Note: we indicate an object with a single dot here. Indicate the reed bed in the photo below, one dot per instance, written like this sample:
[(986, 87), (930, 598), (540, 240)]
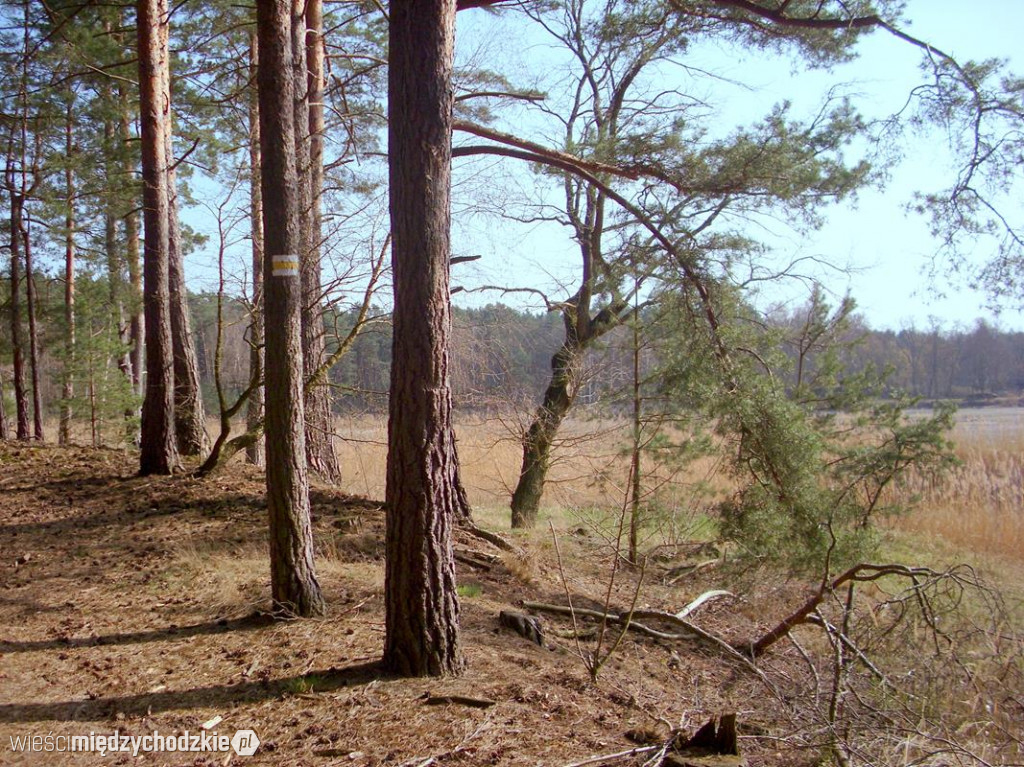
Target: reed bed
[(979, 505)]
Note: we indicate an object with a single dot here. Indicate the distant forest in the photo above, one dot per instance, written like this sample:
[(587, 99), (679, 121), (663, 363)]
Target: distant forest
[(501, 357)]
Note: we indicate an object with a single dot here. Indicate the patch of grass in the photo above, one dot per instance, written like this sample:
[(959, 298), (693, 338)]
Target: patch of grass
[(305, 684), (469, 590)]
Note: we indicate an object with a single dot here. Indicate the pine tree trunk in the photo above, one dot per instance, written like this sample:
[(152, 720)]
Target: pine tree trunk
[(137, 325), (68, 389), (635, 463), (294, 586), (93, 420), (33, 338), (558, 398), (189, 416), (16, 181), (17, 330), (159, 453), (307, 55), (115, 271), (5, 432), (254, 452), (422, 609)]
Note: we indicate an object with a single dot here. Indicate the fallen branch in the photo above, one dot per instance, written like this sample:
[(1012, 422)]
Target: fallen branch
[(457, 700), (817, 620), (492, 538), (618, 755), (476, 559), (674, 575), (857, 574), (707, 596), (630, 621)]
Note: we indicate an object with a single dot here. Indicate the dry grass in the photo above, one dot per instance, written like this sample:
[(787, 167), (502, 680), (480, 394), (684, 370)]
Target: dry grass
[(587, 482), (490, 455), (979, 506)]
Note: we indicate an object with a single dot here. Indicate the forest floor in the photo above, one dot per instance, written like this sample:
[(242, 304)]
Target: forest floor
[(135, 605)]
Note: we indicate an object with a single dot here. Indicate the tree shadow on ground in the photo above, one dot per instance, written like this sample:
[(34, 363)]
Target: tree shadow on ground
[(213, 696), (109, 517), (226, 506), (221, 626)]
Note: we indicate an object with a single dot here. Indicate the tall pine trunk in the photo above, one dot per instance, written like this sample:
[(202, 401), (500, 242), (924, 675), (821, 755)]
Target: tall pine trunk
[(422, 608), (254, 452), (115, 270), (5, 432), (136, 322), (17, 329), (159, 453), (16, 181), (33, 336), (68, 387), (294, 585), (189, 416), (307, 57)]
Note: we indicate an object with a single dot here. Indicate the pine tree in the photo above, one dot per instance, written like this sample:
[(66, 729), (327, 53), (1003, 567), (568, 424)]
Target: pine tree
[(422, 609), (295, 589), (159, 453)]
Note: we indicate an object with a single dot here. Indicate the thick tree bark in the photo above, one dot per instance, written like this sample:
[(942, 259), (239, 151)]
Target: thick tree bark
[(295, 588), (17, 329), (422, 609), (137, 323), (308, 66), (254, 453), (189, 416), (159, 453), (68, 387), (566, 365), (19, 190)]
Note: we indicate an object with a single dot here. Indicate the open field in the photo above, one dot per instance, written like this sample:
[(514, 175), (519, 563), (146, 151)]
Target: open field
[(978, 507), (589, 468)]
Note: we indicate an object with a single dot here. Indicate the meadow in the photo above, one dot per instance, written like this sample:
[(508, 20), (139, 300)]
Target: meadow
[(977, 507)]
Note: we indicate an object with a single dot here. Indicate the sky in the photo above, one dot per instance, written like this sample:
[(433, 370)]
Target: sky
[(886, 252)]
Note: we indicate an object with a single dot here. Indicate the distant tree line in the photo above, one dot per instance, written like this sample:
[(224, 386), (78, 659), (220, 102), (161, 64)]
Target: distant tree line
[(501, 357)]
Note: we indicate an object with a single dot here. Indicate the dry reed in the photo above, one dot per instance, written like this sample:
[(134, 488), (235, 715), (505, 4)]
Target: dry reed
[(979, 505)]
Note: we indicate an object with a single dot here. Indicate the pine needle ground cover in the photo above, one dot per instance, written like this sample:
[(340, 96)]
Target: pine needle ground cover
[(135, 604)]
